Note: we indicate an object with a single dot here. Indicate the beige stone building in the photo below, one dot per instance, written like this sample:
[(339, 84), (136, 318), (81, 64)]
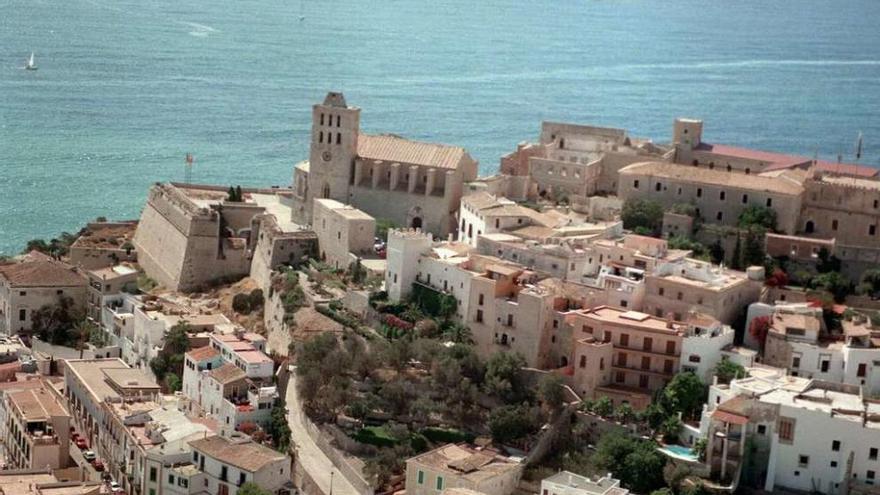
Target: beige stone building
[(27, 286), (483, 213), (674, 289), (106, 284), (103, 244), (191, 236), (345, 234), (411, 183), (576, 161), (719, 196), (38, 429), (461, 466)]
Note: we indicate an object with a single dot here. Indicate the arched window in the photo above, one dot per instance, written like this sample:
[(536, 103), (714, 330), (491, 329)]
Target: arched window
[(321, 137), (338, 120), (322, 119), (810, 227), (416, 223), (338, 138), (325, 193), (583, 361), (470, 231)]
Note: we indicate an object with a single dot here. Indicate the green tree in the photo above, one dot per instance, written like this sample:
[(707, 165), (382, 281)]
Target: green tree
[(685, 394), (726, 370), (635, 462), (603, 407), (551, 391), (458, 333), (827, 262), (624, 413), (736, 259), (716, 252), (642, 213), (671, 428), (835, 283), (502, 376), (251, 488), (172, 382), (757, 216), (753, 251), (508, 423), (278, 428)]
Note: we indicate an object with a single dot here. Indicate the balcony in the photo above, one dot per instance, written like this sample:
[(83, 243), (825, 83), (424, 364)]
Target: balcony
[(653, 351), (634, 369)]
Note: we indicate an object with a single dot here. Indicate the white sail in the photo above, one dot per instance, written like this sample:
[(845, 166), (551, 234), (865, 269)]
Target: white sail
[(30, 63)]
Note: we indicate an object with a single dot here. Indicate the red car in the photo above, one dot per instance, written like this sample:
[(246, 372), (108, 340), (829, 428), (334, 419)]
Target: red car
[(98, 465), (81, 443)]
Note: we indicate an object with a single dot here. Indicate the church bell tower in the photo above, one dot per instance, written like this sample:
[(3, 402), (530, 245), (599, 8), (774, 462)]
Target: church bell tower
[(335, 128)]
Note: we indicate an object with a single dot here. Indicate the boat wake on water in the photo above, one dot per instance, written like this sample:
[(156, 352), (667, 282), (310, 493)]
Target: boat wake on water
[(199, 30)]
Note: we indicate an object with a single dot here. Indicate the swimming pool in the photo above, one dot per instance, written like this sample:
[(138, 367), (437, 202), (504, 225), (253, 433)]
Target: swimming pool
[(679, 452)]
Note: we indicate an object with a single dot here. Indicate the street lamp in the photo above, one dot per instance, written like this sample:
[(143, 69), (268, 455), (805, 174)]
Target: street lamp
[(331, 481)]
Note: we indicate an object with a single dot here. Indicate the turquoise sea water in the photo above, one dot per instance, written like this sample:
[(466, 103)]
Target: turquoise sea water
[(125, 88)]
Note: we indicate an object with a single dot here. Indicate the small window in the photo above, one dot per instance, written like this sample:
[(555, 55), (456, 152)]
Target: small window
[(769, 202), (658, 187), (636, 184), (583, 363), (171, 479), (22, 293), (722, 195), (745, 198), (872, 229), (872, 453), (22, 315), (835, 445), (762, 429), (699, 192), (803, 460), (421, 477), (439, 483), (834, 464), (719, 216)]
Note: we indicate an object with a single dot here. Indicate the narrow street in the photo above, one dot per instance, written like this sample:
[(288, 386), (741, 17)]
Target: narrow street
[(318, 466)]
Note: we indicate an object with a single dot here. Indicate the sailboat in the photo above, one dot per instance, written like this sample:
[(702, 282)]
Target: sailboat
[(302, 14), (30, 63)]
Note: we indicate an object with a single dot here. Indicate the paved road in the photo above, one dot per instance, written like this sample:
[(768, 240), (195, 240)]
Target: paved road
[(313, 460)]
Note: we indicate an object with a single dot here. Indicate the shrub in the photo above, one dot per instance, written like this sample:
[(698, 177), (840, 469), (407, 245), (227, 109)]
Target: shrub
[(255, 298), (443, 435), (241, 303)]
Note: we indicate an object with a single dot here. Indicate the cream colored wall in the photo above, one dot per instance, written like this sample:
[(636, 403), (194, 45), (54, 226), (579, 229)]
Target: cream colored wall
[(339, 235), (708, 202), (12, 302)]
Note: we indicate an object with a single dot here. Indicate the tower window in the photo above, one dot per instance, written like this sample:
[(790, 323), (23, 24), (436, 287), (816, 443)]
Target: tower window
[(769, 202), (699, 192), (872, 229), (834, 225), (322, 119), (338, 121), (321, 137), (745, 198), (338, 138), (722, 195)]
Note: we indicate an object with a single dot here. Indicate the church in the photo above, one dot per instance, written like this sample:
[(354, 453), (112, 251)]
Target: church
[(413, 184)]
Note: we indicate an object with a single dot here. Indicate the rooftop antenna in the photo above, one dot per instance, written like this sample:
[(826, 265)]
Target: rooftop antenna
[(188, 168)]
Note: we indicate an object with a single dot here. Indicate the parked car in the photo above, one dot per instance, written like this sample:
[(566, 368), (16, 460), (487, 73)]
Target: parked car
[(90, 455), (81, 443), (114, 486), (98, 465)]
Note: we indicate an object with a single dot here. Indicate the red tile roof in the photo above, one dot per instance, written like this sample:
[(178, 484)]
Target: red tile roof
[(847, 169), (778, 159), (203, 353), (41, 273), (392, 149), (730, 417)]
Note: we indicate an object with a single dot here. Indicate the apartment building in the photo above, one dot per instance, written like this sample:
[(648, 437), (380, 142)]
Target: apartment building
[(807, 435), (462, 467), (231, 380), (674, 289), (89, 384), (37, 428), (230, 460), (483, 213), (145, 439), (29, 285), (42, 481), (629, 355), (106, 285)]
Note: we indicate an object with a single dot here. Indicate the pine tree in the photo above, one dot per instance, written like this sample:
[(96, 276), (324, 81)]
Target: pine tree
[(736, 261)]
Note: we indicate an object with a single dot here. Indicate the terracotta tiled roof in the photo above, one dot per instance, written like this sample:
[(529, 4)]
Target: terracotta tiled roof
[(397, 149), (228, 373), (248, 456), (769, 157), (847, 169), (41, 273), (696, 175), (203, 353), (730, 417)]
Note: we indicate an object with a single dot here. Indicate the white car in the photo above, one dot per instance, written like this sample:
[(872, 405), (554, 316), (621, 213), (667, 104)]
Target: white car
[(114, 486), (90, 455)]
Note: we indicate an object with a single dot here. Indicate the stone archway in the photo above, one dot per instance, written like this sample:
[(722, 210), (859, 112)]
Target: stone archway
[(415, 218)]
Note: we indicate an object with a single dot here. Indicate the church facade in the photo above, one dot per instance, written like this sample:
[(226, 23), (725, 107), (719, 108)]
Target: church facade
[(413, 184)]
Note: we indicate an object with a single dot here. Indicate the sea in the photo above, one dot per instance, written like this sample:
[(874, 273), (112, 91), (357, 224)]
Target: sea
[(126, 88)]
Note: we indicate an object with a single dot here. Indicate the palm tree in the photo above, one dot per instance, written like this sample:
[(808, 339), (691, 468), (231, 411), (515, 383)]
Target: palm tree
[(458, 333)]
